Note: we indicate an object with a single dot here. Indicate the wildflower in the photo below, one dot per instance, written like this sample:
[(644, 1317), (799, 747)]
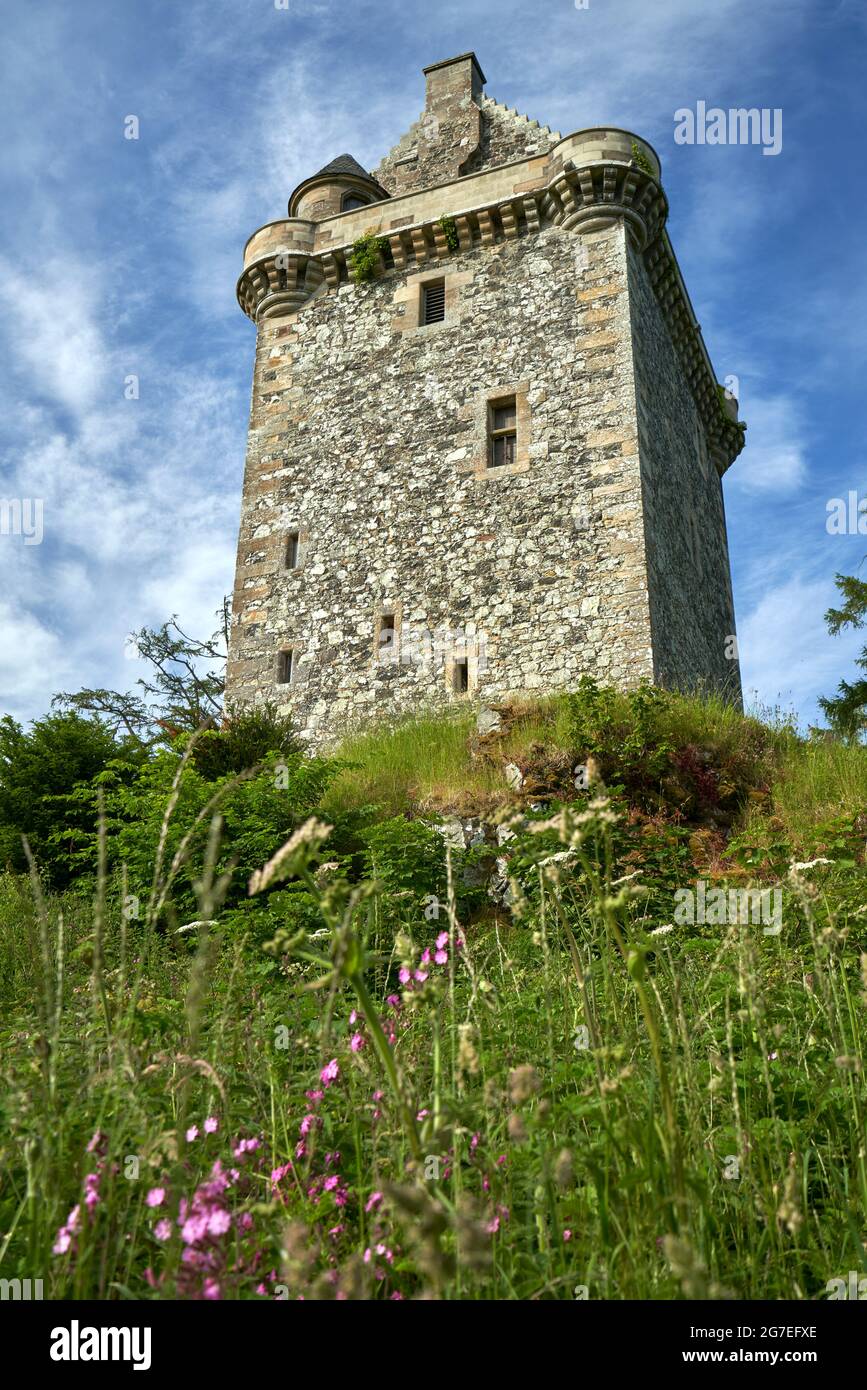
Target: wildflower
[(211, 1289), (163, 1229), (63, 1241), (567, 1235), (156, 1197), (394, 999), (329, 1073), (97, 1143), (403, 975), (523, 1083), (219, 1222), (91, 1190), (306, 1125), (662, 931), (442, 940), (420, 976), (212, 1124), (356, 1042), (373, 1201), (300, 1149), (517, 1128), (192, 1134), (314, 1096)]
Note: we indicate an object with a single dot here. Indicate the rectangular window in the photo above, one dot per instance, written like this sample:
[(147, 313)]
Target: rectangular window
[(503, 432), (434, 302), (461, 676), (386, 642), (285, 667), (293, 550)]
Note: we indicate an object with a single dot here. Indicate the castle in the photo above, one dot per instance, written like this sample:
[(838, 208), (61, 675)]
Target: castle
[(486, 440)]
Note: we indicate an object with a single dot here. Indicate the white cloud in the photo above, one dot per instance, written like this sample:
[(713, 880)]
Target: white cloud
[(787, 654)]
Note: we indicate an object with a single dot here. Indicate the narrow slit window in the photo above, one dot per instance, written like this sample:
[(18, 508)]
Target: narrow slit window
[(387, 637), (503, 431), (434, 302), (293, 550), (461, 677), (285, 667)]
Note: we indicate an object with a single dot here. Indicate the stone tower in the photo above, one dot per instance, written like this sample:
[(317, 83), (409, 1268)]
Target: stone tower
[(494, 465)]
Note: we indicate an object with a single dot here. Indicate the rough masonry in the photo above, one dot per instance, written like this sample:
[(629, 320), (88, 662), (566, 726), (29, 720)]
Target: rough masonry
[(390, 557)]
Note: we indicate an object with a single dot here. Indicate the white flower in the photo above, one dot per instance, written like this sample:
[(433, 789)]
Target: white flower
[(810, 864), (662, 931)]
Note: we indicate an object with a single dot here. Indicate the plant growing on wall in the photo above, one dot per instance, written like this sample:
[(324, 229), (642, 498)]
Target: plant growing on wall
[(641, 159), (449, 229), (366, 252), (722, 397)]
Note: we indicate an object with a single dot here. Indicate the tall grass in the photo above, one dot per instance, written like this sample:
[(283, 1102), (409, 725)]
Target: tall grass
[(553, 1103)]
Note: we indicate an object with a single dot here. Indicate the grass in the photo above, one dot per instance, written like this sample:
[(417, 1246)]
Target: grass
[(554, 1104)]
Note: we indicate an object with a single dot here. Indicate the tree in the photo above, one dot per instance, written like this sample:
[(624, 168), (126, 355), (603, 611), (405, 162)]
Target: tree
[(39, 769), (184, 693), (847, 710)]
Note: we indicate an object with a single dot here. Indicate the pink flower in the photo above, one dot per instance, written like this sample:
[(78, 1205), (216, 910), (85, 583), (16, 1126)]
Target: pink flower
[(356, 1042), (403, 975), (192, 1134), (373, 1201), (306, 1125), (442, 940), (163, 1229), (421, 976), (211, 1289), (493, 1226), (91, 1190), (353, 1016), (394, 1000), (300, 1149), (425, 956), (97, 1142), (441, 957), (156, 1197), (567, 1235), (219, 1222), (314, 1096), (329, 1073), (63, 1241), (212, 1124)]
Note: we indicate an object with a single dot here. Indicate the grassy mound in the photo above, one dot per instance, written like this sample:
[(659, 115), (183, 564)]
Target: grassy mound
[(571, 1008)]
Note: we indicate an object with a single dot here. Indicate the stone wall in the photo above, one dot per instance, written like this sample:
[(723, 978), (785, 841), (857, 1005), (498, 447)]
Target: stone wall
[(691, 605), (366, 436)]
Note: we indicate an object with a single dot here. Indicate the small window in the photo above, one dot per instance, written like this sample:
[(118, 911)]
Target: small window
[(387, 640), (351, 201), (503, 432), (461, 676), (434, 302), (293, 550), (285, 667)]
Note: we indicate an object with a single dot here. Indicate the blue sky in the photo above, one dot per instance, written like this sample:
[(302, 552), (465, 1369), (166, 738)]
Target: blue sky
[(119, 257)]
